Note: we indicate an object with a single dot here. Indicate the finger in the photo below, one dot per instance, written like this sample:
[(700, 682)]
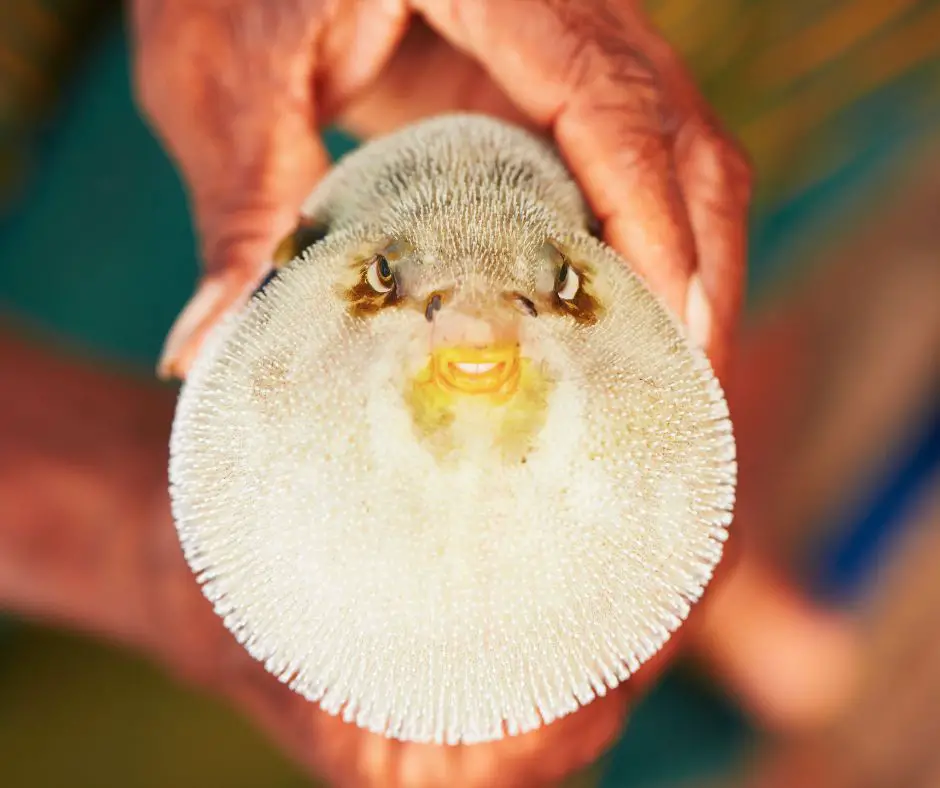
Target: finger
[(225, 288), (229, 88), (240, 216), (539, 758), (228, 99), (238, 238), (576, 68), (716, 184), (787, 661)]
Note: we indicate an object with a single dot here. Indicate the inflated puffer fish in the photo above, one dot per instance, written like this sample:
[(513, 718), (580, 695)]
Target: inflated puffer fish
[(454, 471)]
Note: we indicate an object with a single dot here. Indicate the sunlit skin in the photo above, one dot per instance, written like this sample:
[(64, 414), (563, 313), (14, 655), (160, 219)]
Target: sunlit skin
[(237, 90)]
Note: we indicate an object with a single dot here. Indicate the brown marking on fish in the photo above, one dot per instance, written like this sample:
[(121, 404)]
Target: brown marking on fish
[(585, 308), (362, 299), (270, 373), (308, 232)]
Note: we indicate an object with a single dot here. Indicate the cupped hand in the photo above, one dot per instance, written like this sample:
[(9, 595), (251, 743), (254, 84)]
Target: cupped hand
[(87, 539), (238, 90)]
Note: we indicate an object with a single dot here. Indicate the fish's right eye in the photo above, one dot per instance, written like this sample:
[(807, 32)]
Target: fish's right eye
[(379, 275)]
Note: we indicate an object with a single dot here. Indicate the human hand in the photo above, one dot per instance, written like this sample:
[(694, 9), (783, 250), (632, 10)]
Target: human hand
[(87, 539), (238, 90)]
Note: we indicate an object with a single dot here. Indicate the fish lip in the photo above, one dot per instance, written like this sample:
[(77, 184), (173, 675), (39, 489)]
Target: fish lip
[(476, 370)]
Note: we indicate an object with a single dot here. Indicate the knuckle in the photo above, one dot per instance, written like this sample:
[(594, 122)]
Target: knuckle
[(638, 147), (597, 62), (738, 167), (220, 60), (592, 57), (239, 252), (719, 162), (621, 94), (607, 66)]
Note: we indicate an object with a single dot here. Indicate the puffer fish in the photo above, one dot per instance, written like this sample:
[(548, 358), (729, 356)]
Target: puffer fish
[(453, 471)]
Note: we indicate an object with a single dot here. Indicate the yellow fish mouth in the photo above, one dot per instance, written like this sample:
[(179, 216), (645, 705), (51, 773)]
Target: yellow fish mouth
[(472, 370)]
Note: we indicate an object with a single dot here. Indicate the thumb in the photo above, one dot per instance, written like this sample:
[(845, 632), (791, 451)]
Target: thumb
[(239, 226), (227, 89)]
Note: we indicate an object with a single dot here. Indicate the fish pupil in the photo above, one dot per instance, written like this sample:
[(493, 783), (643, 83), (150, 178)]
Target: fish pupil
[(385, 270)]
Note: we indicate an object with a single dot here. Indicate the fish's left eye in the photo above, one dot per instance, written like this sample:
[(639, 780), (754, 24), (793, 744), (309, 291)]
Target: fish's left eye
[(568, 282), (379, 275)]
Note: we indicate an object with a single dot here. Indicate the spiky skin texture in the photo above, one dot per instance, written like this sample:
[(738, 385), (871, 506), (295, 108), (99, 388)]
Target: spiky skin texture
[(452, 569)]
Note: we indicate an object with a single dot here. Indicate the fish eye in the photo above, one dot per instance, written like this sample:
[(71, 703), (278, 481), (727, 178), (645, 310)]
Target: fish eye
[(379, 275), (568, 282)]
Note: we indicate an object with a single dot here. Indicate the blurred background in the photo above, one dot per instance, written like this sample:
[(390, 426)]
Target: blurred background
[(837, 394)]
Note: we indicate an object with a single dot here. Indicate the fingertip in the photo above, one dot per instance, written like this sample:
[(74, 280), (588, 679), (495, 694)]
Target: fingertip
[(803, 672), (818, 673), (215, 296), (791, 664), (715, 182), (698, 312), (203, 302), (657, 248)]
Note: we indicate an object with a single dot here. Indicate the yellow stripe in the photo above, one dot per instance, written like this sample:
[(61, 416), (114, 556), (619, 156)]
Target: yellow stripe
[(713, 35), (771, 137), (737, 35), (702, 33), (835, 33), (670, 14)]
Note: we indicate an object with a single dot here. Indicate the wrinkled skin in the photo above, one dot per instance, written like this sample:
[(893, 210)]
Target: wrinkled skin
[(237, 90)]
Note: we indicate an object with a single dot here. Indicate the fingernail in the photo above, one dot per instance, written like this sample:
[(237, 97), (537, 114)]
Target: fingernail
[(698, 312), (207, 297)]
